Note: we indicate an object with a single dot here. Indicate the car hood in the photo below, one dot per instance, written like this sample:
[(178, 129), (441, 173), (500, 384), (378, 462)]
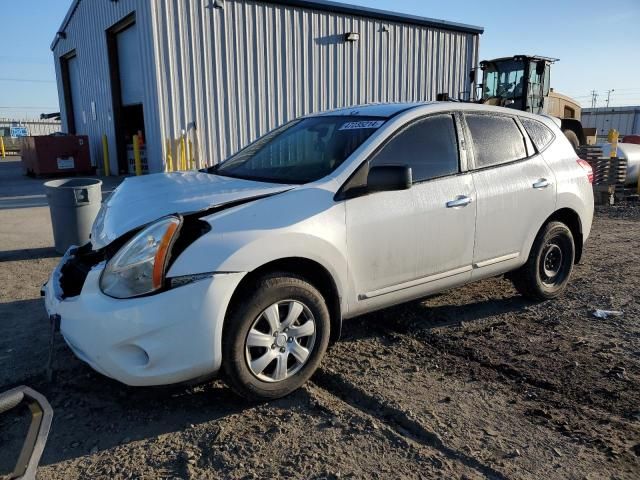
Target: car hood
[(140, 200)]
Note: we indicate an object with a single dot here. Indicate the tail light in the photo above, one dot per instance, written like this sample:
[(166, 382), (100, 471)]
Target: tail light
[(587, 168)]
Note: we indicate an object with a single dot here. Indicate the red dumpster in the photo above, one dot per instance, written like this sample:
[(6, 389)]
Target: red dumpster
[(56, 154)]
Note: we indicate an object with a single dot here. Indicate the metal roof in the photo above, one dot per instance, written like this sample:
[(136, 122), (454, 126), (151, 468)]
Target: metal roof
[(336, 7), (65, 22)]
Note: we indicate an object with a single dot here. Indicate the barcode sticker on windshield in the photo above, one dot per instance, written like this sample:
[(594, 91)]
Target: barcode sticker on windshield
[(360, 125)]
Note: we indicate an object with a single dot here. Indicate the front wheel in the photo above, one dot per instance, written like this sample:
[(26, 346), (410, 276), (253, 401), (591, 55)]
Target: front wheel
[(548, 269), (276, 338)]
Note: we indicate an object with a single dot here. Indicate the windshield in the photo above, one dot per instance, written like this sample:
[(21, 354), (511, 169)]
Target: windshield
[(504, 79), (301, 151)]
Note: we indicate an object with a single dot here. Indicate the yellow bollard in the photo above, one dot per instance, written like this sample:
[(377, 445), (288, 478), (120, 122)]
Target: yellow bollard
[(175, 154), (183, 152), (192, 162), (105, 156), (169, 162), (136, 155), (4, 155), (613, 139)]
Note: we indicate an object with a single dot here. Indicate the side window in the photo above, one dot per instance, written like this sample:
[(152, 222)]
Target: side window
[(428, 146), (496, 139), (540, 134)]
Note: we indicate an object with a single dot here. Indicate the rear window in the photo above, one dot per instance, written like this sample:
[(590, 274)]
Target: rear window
[(496, 139), (540, 134)]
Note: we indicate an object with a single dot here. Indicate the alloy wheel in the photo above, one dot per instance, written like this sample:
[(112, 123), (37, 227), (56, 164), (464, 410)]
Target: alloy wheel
[(280, 341)]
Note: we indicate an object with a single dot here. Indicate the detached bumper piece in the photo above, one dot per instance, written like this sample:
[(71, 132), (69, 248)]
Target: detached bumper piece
[(41, 415)]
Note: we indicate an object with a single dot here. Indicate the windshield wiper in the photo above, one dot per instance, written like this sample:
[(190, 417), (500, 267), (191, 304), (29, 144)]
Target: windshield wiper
[(215, 171)]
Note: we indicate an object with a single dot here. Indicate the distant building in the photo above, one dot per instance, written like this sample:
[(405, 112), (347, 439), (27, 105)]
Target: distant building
[(33, 127), (624, 119), (12, 130), (228, 71)]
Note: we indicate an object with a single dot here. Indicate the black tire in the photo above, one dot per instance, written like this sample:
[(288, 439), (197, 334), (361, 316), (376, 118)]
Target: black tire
[(573, 139), (270, 290), (553, 251)]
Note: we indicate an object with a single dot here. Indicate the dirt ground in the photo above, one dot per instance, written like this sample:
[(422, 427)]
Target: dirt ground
[(472, 383)]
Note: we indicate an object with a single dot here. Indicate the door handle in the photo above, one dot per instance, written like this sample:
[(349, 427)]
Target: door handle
[(542, 183), (460, 201)]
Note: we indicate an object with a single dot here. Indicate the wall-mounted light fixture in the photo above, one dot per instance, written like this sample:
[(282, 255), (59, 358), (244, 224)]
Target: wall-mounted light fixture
[(218, 3), (61, 35), (351, 37)]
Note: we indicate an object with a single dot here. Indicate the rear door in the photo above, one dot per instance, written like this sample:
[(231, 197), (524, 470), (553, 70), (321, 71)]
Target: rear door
[(515, 190), (407, 243)]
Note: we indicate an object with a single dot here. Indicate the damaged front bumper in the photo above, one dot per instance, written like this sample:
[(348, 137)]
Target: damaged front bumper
[(159, 339)]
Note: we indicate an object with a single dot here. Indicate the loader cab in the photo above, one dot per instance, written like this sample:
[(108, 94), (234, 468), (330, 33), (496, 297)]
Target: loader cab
[(520, 82)]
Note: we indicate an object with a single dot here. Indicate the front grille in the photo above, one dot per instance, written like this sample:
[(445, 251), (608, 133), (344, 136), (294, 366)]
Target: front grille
[(74, 273)]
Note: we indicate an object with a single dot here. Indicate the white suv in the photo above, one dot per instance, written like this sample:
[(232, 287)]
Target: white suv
[(250, 267)]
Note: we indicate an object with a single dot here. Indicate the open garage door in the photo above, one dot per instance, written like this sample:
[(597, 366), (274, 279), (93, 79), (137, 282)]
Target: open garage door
[(127, 89), (128, 45)]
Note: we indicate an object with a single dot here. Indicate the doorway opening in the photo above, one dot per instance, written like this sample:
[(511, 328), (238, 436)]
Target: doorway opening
[(70, 88), (127, 92)]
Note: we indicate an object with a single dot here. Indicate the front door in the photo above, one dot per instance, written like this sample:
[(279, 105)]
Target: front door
[(406, 244)]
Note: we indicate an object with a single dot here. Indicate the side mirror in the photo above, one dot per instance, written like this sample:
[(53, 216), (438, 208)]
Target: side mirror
[(386, 178)]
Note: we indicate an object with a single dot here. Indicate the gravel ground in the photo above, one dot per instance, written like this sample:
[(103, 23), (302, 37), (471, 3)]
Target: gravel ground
[(473, 383)]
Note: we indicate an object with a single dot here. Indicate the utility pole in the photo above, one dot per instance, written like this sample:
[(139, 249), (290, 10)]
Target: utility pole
[(609, 96), (594, 98)]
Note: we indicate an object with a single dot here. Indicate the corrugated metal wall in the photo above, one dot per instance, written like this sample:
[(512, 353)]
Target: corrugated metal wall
[(624, 119), (86, 34), (229, 75)]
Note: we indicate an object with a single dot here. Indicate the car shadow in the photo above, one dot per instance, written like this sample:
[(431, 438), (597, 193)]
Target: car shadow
[(420, 316)]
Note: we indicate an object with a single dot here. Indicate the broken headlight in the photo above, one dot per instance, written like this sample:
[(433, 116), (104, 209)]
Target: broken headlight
[(139, 266)]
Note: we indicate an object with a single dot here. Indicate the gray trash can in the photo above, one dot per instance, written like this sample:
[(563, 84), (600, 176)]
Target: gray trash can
[(74, 204)]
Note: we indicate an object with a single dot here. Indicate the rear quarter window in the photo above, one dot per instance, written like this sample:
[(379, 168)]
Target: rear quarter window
[(540, 134)]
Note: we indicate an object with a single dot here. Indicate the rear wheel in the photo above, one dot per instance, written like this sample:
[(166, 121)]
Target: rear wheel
[(548, 269), (276, 339)]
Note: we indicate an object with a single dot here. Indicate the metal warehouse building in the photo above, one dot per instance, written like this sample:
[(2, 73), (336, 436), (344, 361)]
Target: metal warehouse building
[(227, 71), (626, 120)]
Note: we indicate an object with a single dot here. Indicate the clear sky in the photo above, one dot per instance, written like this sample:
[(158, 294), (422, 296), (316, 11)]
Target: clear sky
[(598, 43)]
